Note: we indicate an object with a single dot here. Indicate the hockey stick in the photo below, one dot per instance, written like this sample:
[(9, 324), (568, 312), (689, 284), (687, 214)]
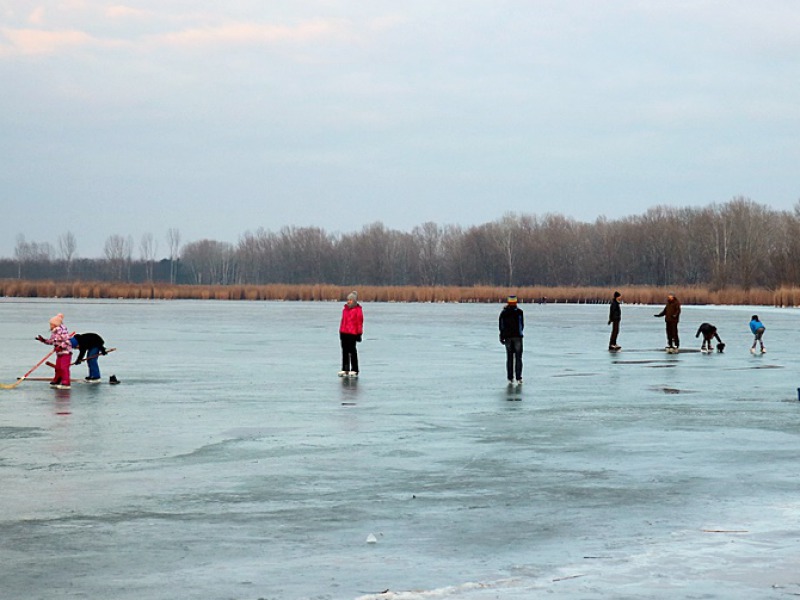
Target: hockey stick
[(85, 359), (11, 386)]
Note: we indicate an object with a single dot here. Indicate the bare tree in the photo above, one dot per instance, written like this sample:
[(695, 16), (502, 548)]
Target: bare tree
[(372, 253), (256, 257), (561, 243), (480, 258), (507, 235), (148, 247), (118, 250), (21, 254), (750, 238), (210, 262), (305, 253), (174, 242), (721, 232), (31, 253), (604, 263), (662, 245), (429, 241), (452, 270), (67, 248), (784, 264)]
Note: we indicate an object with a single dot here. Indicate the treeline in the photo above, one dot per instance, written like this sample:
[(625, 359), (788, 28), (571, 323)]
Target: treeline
[(740, 244)]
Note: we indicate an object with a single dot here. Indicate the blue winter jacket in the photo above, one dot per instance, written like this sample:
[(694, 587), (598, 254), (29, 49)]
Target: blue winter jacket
[(756, 325)]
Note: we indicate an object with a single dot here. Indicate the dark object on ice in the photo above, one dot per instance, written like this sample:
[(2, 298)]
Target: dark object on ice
[(721, 347), (113, 380)]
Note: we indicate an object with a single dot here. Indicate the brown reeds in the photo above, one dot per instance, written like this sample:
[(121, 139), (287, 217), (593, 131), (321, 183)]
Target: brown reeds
[(14, 288)]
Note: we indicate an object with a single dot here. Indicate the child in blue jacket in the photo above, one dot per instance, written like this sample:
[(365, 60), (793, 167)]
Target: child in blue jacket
[(757, 327)]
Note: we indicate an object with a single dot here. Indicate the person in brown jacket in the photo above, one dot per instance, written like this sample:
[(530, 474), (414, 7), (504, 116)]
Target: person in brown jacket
[(671, 314)]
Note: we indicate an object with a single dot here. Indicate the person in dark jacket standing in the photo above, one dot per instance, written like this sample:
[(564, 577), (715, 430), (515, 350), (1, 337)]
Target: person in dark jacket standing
[(512, 323), (350, 330), (614, 317), (672, 315)]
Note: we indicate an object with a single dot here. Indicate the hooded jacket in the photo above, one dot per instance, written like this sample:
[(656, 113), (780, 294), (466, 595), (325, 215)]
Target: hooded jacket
[(352, 320)]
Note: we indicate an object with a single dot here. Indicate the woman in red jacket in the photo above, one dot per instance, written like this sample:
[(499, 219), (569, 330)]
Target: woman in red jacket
[(350, 330)]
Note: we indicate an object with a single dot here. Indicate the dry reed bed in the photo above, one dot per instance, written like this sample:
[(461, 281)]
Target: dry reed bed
[(785, 296)]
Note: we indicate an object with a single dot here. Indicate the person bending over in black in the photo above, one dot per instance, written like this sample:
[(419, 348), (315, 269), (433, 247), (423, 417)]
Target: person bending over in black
[(709, 332)]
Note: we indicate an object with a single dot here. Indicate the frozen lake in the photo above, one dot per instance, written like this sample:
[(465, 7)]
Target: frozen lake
[(232, 462)]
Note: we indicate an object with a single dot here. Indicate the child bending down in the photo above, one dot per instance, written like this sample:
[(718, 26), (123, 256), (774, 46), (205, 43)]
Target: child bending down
[(709, 332), (757, 327)]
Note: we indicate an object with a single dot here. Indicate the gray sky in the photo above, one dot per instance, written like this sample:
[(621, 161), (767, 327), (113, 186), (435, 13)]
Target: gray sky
[(217, 118)]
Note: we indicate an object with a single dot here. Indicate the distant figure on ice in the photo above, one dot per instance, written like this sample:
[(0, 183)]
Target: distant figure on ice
[(512, 323), (59, 339), (614, 317), (91, 346), (350, 330), (757, 327), (672, 315), (709, 332)]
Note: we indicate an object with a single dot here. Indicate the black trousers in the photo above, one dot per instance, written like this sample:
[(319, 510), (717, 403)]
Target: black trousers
[(514, 357), (672, 334), (349, 352), (614, 333)]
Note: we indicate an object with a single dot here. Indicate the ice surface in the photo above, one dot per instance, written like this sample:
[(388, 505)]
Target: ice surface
[(232, 462)]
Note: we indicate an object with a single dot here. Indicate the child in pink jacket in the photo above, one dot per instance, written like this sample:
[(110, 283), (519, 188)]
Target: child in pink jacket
[(59, 339)]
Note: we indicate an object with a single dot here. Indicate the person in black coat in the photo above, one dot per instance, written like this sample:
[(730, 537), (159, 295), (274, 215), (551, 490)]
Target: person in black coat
[(91, 346), (512, 323), (614, 317)]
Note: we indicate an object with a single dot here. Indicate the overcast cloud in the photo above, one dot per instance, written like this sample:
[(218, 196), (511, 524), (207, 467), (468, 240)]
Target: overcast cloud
[(217, 118)]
